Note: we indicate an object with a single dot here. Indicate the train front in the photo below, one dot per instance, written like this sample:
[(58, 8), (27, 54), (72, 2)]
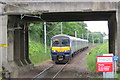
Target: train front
[(60, 49)]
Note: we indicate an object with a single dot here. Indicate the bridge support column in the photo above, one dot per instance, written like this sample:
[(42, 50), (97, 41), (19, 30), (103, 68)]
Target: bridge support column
[(22, 44), (17, 48), (3, 37), (118, 34), (3, 40), (11, 56), (112, 24), (18, 51), (27, 44)]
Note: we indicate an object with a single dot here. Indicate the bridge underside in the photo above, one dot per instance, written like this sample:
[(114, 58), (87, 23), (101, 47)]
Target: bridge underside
[(14, 28), (76, 16)]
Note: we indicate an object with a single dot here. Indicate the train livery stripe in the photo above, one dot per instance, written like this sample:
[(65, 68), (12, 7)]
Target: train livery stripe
[(60, 49), (3, 45)]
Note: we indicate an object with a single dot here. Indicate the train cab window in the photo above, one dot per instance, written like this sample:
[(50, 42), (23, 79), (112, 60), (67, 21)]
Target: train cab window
[(60, 42), (56, 43), (65, 42)]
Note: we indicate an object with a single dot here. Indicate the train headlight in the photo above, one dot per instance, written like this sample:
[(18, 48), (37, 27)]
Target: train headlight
[(54, 50), (66, 50)]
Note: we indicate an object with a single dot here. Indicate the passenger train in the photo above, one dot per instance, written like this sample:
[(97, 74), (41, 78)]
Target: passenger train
[(64, 46)]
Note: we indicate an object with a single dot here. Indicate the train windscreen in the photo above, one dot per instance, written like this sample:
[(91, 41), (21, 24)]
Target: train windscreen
[(61, 42)]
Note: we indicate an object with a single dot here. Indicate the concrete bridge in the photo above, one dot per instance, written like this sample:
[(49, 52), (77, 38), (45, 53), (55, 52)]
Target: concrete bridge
[(15, 16)]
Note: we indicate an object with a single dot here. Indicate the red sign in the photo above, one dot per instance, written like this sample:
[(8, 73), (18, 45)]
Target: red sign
[(104, 64)]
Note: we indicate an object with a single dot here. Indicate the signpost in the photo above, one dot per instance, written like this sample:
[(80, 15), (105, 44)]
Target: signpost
[(107, 65), (115, 59), (104, 64)]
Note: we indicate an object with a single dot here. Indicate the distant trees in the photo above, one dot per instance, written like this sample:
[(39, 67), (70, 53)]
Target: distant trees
[(36, 31), (97, 36)]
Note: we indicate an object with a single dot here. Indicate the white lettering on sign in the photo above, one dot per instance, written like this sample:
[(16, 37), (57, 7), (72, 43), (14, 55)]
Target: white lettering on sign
[(100, 67), (104, 59), (106, 68), (107, 54)]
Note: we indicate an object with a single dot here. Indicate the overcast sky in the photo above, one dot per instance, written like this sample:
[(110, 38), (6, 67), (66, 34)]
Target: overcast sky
[(97, 26)]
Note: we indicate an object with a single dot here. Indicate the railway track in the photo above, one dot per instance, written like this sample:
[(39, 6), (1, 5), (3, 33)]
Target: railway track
[(51, 72)]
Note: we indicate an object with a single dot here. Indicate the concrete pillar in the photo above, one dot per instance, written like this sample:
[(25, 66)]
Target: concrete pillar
[(3, 37), (10, 46), (118, 33), (11, 24), (1, 9), (11, 62), (27, 44), (22, 44), (18, 55), (17, 48), (112, 24)]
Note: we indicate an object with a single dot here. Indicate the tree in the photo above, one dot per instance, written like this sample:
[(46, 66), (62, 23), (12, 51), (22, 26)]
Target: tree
[(53, 28)]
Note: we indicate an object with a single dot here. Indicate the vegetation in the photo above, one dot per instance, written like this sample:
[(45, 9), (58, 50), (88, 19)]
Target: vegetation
[(119, 76), (37, 54), (91, 58), (97, 36), (53, 28)]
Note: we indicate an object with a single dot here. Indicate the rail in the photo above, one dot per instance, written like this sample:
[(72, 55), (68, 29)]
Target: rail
[(47, 70), (43, 71)]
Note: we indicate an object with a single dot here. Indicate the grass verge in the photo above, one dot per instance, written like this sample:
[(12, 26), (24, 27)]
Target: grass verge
[(118, 76), (91, 58), (37, 54)]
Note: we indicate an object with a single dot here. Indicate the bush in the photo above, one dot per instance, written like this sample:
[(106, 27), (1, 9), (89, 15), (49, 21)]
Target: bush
[(37, 54)]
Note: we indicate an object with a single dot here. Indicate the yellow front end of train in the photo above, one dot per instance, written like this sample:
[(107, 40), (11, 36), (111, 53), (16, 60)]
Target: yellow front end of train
[(60, 49)]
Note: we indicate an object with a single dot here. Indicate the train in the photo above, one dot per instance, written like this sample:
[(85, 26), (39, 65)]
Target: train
[(63, 47)]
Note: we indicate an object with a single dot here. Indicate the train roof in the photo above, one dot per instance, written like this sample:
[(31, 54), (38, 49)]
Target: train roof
[(71, 37)]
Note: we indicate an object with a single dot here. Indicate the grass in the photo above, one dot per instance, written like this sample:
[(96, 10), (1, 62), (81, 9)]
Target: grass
[(119, 76), (0, 73), (37, 54), (91, 58)]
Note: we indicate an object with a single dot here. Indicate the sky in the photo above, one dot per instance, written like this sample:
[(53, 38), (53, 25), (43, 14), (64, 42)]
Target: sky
[(97, 26)]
